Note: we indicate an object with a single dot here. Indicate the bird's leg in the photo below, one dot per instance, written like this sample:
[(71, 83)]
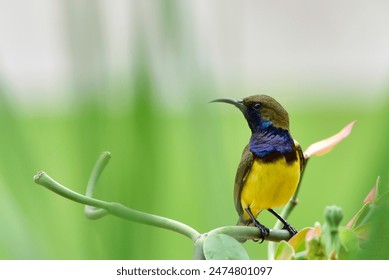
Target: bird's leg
[(263, 230), (286, 226)]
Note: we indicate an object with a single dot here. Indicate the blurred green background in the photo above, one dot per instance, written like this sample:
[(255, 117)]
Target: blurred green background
[(135, 78)]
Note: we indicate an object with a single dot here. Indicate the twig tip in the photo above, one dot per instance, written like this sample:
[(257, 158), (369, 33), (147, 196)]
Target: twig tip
[(107, 154), (38, 176)]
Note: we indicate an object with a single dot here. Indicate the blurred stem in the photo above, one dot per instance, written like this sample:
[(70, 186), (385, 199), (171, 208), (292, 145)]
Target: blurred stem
[(286, 213)]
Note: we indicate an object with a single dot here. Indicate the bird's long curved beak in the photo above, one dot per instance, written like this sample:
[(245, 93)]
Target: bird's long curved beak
[(237, 102)]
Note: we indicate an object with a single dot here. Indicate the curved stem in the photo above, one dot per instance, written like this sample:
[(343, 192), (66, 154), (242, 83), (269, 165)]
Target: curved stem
[(124, 212), (198, 252), (116, 209), (90, 211), (46, 181), (95, 208)]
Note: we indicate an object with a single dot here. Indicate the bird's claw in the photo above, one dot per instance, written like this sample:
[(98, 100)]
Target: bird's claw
[(264, 231), (290, 229)]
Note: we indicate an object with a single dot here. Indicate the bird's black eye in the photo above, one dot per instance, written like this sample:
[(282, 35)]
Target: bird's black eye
[(257, 106)]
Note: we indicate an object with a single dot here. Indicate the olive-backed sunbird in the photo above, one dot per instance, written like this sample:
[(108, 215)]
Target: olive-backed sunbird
[(271, 164)]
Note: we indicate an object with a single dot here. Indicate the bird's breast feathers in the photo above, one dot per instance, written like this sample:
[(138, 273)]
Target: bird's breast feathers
[(270, 184)]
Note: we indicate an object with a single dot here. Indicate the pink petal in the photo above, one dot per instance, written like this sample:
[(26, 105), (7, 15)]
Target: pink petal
[(314, 232), (324, 146), (372, 195), (370, 199), (351, 222)]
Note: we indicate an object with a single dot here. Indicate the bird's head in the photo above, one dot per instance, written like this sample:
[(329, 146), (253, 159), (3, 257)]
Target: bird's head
[(260, 111)]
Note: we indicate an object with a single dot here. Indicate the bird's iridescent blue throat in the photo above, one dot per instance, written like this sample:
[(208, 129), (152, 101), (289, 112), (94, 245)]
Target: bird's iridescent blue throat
[(266, 139)]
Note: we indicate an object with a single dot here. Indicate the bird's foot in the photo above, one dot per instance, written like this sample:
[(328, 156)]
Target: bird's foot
[(264, 231), (290, 229)]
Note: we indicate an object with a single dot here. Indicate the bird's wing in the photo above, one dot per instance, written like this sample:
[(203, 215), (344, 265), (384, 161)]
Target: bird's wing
[(243, 169), (301, 155)]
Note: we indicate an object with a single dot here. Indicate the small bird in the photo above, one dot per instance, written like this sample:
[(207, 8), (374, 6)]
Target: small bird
[(271, 164)]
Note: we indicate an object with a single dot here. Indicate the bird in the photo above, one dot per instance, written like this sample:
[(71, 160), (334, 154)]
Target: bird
[(271, 164)]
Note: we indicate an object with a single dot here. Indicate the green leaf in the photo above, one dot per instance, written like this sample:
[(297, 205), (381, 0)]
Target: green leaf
[(382, 198), (363, 231), (223, 247), (349, 243), (373, 194), (284, 251), (316, 249), (298, 241), (376, 246), (361, 217)]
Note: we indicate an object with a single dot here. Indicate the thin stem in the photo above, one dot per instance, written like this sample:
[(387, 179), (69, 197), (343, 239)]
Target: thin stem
[(90, 211), (198, 252), (124, 212), (46, 181), (244, 232), (100, 164), (95, 208), (116, 209), (238, 232)]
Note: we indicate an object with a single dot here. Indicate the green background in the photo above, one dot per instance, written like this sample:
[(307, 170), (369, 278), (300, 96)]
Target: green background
[(174, 162)]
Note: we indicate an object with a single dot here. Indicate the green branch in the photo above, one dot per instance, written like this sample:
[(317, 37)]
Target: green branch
[(91, 212), (95, 209), (244, 232), (121, 211), (98, 208)]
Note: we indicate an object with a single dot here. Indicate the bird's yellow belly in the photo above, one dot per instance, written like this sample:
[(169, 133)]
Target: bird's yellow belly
[(269, 185)]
